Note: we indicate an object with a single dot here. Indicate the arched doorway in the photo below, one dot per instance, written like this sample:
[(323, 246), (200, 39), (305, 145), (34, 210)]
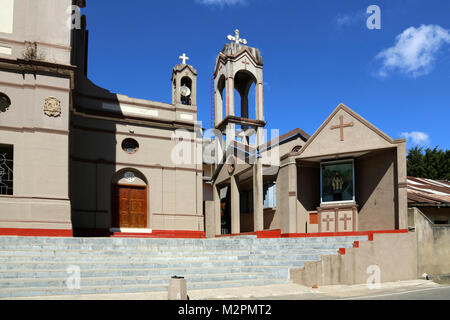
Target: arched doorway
[(129, 200)]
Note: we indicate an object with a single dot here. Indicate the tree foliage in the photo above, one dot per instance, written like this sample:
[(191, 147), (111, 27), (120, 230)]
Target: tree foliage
[(429, 163)]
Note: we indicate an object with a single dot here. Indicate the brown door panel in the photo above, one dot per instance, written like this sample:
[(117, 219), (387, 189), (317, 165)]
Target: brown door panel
[(132, 206)]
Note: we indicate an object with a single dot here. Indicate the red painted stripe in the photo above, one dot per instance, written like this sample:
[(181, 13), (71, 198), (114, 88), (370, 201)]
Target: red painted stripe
[(35, 232)]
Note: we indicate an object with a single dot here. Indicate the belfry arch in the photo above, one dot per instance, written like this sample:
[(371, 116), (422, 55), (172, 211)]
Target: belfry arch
[(244, 81)]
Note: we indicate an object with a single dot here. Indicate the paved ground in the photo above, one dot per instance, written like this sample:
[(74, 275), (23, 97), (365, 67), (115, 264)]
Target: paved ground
[(416, 289)]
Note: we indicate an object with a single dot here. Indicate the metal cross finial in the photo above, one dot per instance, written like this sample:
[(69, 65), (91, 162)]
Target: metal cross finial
[(236, 38), (184, 58)]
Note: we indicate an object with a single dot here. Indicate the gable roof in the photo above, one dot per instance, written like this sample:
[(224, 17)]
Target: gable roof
[(379, 138)]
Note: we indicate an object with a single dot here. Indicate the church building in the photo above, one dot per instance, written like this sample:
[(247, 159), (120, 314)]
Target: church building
[(79, 160)]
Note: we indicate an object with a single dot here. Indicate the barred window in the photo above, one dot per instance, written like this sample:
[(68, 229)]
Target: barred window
[(6, 169)]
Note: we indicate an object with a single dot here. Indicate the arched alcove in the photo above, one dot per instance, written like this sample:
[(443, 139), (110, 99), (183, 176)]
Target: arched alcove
[(244, 83)]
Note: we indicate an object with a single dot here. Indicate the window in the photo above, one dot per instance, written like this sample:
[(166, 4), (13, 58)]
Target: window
[(5, 102), (130, 146), (337, 181), (6, 170), (270, 196)]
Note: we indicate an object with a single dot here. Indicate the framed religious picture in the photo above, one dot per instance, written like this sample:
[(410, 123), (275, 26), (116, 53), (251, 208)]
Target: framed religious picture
[(337, 181)]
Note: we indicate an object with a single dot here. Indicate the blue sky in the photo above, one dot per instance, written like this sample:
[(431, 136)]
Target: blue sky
[(316, 54)]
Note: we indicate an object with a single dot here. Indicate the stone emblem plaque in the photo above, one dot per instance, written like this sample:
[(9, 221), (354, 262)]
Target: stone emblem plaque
[(52, 107)]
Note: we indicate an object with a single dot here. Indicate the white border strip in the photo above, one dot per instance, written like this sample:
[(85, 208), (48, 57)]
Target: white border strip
[(131, 230)]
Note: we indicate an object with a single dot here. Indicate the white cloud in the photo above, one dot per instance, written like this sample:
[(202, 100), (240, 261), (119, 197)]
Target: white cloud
[(222, 3), (417, 137), (415, 51)]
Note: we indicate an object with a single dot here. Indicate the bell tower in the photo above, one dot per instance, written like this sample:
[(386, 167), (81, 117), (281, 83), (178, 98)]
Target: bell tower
[(238, 67), (184, 84)]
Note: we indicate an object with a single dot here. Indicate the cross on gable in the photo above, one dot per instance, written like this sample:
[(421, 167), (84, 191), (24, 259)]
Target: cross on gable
[(245, 62), (236, 38), (184, 58), (341, 126), (345, 219)]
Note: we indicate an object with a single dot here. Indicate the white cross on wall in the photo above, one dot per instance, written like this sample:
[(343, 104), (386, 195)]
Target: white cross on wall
[(184, 58), (236, 38)]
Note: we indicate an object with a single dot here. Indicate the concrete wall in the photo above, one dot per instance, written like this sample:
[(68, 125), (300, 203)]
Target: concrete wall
[(376, 192), (433, 244), (394, 254)]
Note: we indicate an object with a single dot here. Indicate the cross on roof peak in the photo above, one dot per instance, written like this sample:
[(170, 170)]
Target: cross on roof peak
[(236, 38), (184, 57)]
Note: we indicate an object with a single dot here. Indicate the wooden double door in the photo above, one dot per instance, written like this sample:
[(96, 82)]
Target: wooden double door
[(130, 206)]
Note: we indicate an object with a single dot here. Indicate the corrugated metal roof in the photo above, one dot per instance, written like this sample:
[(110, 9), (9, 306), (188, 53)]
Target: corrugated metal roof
[(427, 191)]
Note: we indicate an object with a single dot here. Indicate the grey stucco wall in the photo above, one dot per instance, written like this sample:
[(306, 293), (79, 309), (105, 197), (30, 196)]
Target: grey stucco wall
[(394, 254), (375, 191), (433, 244)]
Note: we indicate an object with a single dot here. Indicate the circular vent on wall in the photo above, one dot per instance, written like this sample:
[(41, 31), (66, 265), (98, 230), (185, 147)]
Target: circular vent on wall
[(5, 102), (130, 146)]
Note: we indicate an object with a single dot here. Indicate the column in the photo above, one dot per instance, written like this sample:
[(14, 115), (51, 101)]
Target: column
[(292, 176), (287, 197), (218, 107), (259, 101), (230, 96), (216, 198), (258, 211), (235, 206), (402, 187)]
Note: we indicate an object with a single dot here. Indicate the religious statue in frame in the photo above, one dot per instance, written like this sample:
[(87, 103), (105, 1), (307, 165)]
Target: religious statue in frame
[(337, 181)]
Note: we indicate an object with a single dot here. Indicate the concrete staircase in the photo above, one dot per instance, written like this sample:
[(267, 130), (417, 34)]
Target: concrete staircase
[(39, 266)]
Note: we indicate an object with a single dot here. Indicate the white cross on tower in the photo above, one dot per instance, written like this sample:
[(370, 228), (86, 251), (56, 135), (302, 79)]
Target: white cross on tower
[(184, 58), (236, 38)]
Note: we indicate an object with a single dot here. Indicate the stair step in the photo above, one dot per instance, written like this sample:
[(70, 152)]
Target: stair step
[(122, 272), (174, 248), (58, 291), (150, 266), (126, 280)]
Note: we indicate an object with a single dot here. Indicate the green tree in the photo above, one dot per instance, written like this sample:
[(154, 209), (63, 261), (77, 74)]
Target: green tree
[(431, 164)]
